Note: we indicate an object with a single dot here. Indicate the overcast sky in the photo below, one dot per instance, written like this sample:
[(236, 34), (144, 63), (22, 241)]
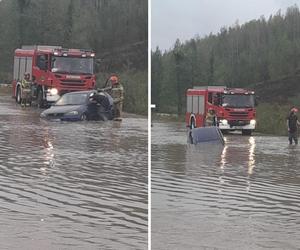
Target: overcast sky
[(184, 19)]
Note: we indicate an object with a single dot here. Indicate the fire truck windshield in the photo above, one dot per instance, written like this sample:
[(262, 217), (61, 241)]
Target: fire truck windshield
[(238, 101), (72, 65)]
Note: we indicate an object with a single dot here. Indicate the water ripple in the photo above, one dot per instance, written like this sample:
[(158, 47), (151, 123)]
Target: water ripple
[(239, 196), (71, 185)]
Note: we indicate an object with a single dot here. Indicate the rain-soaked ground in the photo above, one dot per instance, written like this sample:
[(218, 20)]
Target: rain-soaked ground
[(245, 195), (79, 185)]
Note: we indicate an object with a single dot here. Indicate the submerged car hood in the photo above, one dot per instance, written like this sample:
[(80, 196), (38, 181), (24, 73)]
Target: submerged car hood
[(62, 109)]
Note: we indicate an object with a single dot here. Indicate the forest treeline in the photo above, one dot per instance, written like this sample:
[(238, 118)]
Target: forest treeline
[(116, 30), (238, 56)]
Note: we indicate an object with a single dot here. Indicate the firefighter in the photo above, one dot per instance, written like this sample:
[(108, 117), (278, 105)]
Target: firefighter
[(105, 103), (26, 90), (117, 93), (211, 118), (292, 126)]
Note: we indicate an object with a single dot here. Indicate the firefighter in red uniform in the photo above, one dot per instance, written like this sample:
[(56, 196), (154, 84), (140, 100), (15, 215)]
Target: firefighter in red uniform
[(117, 93)]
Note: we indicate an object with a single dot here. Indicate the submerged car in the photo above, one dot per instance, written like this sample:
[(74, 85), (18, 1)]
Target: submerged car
[(80, 106)]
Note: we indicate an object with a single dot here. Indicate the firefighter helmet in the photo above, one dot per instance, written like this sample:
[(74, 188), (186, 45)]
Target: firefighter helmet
[(114, 80), (294, 110), (211, 111), (27, 75)]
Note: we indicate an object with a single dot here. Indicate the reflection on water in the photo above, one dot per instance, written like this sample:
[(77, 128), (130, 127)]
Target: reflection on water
[(251, 163), (71, 185), (244, 195)]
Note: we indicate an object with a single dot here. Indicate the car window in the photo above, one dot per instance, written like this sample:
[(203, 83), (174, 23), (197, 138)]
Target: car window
[(72, 99)]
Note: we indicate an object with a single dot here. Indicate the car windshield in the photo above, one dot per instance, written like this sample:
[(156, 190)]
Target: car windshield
[(72, 99), (238, 101), (72, 65)]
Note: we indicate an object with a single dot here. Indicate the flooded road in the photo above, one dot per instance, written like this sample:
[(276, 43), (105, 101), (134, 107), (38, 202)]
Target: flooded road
[(79, 185), (245, 195)]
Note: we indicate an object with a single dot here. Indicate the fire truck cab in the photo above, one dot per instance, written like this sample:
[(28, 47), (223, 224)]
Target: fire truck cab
[(234, 108), (54, 71)]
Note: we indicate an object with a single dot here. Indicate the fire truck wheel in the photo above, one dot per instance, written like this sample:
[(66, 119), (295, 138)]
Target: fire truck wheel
[(40, 103), (193, 124), (246, 132), (18, 95)]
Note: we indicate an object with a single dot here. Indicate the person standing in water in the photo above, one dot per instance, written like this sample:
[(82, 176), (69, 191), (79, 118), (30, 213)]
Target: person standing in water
[(292, 126)]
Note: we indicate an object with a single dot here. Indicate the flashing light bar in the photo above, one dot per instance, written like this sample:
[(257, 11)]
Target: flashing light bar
[(64, 52)]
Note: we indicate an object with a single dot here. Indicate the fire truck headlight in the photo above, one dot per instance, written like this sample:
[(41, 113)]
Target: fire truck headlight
[(252, 122), (53, 91), (224, 122)]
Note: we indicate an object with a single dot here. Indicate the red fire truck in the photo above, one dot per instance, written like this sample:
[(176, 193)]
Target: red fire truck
[(233, 107), (54, 71)]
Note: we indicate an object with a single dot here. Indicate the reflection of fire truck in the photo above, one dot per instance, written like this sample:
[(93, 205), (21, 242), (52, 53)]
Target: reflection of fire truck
[(234, 108), (54, 71)]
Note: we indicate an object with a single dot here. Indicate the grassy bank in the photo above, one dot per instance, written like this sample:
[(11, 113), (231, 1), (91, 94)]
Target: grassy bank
[(136, 89), (5, 89), (167, 117), (271, 118)]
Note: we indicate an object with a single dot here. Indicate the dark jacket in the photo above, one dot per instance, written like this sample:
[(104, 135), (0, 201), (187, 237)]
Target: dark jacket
[(292, 122)]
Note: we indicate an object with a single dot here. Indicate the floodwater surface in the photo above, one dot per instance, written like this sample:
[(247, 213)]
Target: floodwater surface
[(80, 185), (244, 195)]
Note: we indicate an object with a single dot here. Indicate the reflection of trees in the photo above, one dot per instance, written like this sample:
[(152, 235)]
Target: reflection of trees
[(173, 156), (205, 153), (203, 156)]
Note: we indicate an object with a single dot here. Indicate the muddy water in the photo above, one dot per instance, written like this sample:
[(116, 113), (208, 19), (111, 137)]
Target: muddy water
[(71, 185), (245, 195)]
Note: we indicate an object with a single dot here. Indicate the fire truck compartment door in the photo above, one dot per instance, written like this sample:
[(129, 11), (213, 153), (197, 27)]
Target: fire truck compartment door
[(195, 104)]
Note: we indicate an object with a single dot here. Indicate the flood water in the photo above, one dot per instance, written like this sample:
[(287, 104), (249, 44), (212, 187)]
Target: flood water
[(80, 185), (245, 195)]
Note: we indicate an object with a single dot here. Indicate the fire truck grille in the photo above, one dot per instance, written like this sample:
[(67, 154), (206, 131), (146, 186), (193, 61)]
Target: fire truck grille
[(72, 82), (238, 123), (238, 115)]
